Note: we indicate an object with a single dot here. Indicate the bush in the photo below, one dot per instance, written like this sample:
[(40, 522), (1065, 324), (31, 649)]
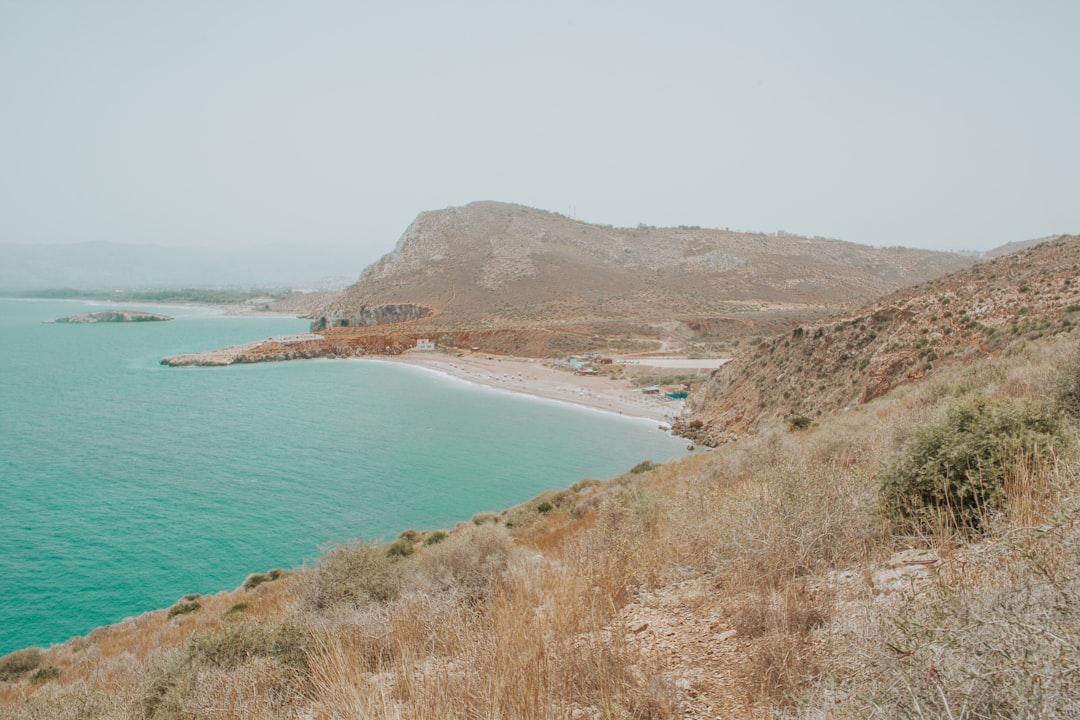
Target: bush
[(485, 518), (287, 644), (466, 564), (436, 537), (18, 663), (401, 548), (255, 580), (643, 467), (236, 608), (44, 675), (355, 574), (798, 422), (1067, 385), (544, 507), (955, 470), (184, 607)]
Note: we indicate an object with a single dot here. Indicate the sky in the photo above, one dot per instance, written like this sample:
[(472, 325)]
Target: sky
[(946, 125)]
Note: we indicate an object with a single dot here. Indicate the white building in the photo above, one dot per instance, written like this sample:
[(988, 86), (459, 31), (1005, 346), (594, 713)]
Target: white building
[(425, 344)]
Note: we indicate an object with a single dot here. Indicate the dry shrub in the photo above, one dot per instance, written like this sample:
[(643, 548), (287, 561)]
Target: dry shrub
[(15, 665), (1066, 383), (995, 637), (255, 690), (482, 630), (765, 519), (465, 564), (352, 575)]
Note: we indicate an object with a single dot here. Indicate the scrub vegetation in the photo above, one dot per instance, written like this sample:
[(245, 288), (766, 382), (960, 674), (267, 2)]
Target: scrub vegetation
[(915, 555)]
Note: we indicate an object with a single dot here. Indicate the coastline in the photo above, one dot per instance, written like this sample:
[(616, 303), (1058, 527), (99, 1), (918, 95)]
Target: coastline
[(535, 378)]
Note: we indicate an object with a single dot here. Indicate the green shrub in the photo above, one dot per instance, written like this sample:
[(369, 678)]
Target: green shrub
[(401, 548), (236, 608), (436, 537), (287, 644), (184, 607), (485, 518), (44, 675), (256, 579), (545, 507), (18, 663), (955, 469), (643, 467), (798, 422)]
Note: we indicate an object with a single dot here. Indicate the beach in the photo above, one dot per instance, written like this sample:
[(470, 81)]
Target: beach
[(536, 378)]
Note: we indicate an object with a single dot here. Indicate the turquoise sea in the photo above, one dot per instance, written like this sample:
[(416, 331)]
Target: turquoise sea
[(125, 485)]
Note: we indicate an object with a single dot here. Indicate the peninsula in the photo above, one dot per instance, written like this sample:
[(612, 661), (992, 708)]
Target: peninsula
[(112, 316)]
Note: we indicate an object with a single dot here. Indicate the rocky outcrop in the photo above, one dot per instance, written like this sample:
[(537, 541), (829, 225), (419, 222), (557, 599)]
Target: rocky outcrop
[(112, 316), (364, 316)]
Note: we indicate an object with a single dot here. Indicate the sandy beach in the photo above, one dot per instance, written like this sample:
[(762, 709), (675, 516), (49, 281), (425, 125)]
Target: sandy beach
[(534, 377)]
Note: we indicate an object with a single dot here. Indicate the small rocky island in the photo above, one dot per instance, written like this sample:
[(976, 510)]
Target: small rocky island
[(112, 316)]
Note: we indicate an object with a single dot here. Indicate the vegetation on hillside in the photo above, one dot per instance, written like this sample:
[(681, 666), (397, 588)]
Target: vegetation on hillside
[(909, 335), (915, 555), (785, 575)]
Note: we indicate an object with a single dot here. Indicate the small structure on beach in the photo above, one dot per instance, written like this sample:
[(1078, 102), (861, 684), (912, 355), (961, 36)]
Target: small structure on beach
[(425, 344)]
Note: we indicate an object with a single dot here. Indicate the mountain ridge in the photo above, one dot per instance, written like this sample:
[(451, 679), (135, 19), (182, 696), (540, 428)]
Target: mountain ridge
[(489, 260)]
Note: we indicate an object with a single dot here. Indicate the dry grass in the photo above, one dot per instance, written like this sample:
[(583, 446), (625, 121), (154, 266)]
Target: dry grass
[(524, 615)]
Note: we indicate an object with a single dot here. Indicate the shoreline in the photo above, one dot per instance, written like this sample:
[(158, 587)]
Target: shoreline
[(536, 379)]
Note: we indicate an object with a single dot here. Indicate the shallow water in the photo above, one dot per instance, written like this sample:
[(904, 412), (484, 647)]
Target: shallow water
[(126, 484)]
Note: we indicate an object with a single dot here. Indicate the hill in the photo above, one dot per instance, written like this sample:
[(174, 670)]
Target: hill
[(501, 265), (914, 556), (851, 359)]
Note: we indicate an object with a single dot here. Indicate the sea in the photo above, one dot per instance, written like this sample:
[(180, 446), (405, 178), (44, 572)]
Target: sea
[(125, 485)]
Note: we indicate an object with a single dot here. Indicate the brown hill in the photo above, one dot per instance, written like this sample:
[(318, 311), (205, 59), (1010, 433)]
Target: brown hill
[(505, 265), (905, 336)]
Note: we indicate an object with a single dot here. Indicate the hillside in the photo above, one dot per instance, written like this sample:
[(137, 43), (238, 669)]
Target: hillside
[(914, 556), (851, 359), (507, 265)]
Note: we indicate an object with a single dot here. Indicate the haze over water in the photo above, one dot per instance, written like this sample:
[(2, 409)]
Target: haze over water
[(126, 484)]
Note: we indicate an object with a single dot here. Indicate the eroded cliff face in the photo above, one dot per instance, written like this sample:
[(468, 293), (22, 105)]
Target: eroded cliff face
[(365, 316)]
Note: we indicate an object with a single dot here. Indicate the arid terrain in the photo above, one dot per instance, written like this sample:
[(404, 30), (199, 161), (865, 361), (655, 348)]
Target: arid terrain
[(513, 280), (887, 526), (854, 358)]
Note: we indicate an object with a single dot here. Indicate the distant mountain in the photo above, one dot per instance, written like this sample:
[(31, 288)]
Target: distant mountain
[(108, 266), (512, 265), (854, 358)]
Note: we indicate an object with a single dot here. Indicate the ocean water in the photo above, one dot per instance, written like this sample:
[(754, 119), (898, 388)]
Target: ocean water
[(125, 485)]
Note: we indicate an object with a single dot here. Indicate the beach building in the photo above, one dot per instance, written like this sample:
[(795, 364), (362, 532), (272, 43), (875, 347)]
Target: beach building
[(425, 344)]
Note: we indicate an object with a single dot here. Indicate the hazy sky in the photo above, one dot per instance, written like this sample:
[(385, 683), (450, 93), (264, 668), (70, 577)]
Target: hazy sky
[(953, 125)]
